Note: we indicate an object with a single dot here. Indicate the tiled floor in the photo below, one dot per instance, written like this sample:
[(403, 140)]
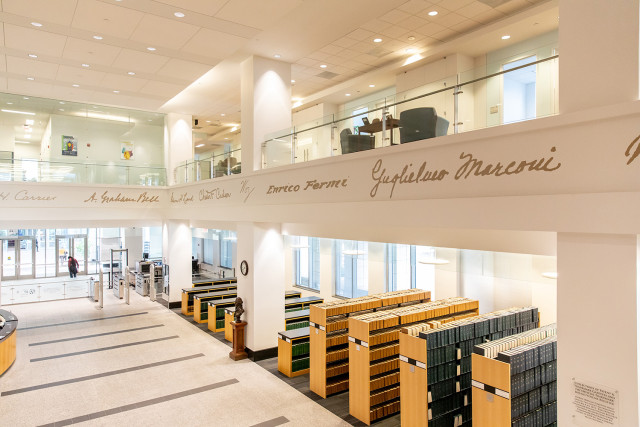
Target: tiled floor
[(139, 364)]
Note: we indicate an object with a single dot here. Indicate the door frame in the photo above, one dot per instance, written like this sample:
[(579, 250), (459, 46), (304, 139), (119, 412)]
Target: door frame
[(17, 244), (71, 237)]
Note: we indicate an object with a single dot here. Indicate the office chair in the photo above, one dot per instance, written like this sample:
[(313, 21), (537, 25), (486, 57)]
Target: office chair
[(421, 123)]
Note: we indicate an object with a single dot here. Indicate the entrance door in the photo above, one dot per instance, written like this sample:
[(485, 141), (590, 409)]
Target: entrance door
[(74, 245), (18, 258)]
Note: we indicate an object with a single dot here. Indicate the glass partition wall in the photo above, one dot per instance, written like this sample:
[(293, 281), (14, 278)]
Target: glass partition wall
[(60, 141), (518, 88)]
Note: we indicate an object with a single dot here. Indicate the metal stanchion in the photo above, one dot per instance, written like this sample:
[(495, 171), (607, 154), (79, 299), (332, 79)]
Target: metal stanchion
[(152, 282), (127, 288), (101, 290)]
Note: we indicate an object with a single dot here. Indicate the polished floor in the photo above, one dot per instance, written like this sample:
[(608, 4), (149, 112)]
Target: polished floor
[(138, 363)]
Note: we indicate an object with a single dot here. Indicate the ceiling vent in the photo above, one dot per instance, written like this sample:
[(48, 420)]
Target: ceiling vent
[(494, 3), (326, 75)]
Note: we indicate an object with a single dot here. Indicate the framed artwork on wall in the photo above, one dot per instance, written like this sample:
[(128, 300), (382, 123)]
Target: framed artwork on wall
[(126, 151), (69, 146)]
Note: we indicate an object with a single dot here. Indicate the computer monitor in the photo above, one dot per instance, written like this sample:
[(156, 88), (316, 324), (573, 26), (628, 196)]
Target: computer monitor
[(145, 255)]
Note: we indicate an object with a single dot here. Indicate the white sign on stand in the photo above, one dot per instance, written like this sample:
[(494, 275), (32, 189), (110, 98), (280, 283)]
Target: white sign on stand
[(594, 405)]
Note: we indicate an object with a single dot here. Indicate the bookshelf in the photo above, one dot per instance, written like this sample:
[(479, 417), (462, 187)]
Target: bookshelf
[(216, 315), (435, 364), (293, 304), (296, 319), (515, 380), (293, 352), (201, 306), (212, 282), (292, 294), (188, 293), (329, 336), (374, 363)]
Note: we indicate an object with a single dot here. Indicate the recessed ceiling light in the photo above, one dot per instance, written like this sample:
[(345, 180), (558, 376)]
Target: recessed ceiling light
[(25, 97), (97, 37), (85, 65), (293, 81), (235, 128), (433, 13), (32, 55), (30, 78), (179, 15), (61, 102), (208, 121), (323, 66), (377, 40), (226, 138), (9, 103), (347, 94), (222, 114), (277, 55), (151, 48), (28, 113), (75, 85), (411, 38), (116, 91), (506, 37), (36, 24), (60, 109), (131, 73), (372, 85), (199, 145)]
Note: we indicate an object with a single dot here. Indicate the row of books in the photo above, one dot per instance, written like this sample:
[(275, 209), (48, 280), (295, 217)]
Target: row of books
[(529, 356), (300, 364), (334, 340), (385, 410), (528, 380), (385, 381), (297, 325), (219, 323), (445, 406), (383, 396), (448, 387), (546, 416), (339, 369), (534, 399), (384, 337), (337, 386), (378, 368), (300, 349), (384, 352), (335, 355), (461, 418), (491, 349), (369, 302)]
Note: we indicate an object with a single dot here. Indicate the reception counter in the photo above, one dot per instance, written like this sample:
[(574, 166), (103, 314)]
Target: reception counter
[(8, 326)]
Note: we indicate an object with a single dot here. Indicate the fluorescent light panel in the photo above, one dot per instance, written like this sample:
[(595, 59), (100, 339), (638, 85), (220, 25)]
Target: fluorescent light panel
[(28, 113)]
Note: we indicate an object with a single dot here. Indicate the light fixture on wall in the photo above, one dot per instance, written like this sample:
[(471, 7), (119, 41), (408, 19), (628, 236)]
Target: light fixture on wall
[(434, 261), (550, 275), (28, 113)]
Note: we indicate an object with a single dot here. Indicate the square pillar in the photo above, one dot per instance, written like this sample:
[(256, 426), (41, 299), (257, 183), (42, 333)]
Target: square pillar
[(598, 320), (178, 143), (176, 242)]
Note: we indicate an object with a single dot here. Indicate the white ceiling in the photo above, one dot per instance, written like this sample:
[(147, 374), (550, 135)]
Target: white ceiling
[(201, 51)]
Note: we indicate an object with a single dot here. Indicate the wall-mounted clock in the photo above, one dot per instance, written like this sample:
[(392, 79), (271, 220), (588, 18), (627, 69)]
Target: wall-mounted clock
[(244, 268)]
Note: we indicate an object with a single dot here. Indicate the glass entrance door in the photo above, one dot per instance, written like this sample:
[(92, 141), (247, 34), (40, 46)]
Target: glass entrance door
[(74, 245), (18, 258)]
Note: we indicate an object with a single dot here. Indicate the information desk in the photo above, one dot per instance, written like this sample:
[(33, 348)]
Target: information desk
[(200, 306), (8, 326), (188, 293), (216, 313), (293, 352), (301, 303), (211, 281)]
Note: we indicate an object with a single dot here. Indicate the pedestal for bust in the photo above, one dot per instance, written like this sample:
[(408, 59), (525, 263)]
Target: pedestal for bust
[(238, 352)]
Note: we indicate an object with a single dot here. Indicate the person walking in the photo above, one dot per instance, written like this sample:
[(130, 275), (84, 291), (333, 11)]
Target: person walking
[(73, 266)]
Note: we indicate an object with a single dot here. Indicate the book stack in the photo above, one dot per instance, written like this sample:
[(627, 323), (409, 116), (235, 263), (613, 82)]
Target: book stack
[(297, 325), (449, 347)]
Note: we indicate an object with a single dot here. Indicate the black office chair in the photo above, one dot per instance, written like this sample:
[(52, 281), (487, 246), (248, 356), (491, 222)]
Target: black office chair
[(351, 143), (421, 123)]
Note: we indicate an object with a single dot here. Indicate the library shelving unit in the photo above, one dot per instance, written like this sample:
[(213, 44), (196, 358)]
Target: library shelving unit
[(329, 336), (293, 352), (514, 380), (215, 318), (296, 319), (293, 304), (201, 306), (188, 293), (211, 282), (292, 294), (374, 377), (435, 364)]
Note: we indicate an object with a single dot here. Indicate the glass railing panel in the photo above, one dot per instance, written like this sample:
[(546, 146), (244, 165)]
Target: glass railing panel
[(277, 150), (38, 290), (314, 142)]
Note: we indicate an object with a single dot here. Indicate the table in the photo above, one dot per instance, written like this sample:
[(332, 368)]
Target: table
[(376, 126)]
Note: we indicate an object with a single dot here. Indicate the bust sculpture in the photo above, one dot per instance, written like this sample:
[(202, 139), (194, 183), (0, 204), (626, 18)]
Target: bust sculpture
[(239, 310)]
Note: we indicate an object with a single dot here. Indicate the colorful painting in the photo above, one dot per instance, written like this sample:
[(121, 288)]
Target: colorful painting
[(69, 146), (126, 151)]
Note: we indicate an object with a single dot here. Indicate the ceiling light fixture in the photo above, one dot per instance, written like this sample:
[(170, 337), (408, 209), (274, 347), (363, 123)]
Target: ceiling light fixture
[(323, 66), (27, 113), (411, 38), (97, 37), (372, 85), (131, 73), (116, 91), (433, 13), (293, 81), (199, 145), (30, 78), (277, 55), (85, 65), (179, 15), (347, 94), (32, 55), (410, 50), (25, 97), (21, 142), (61, 102), (208, 121), (377, 40), (226, 138), (233, 129), (75, 85), (151, 48), (60, 109), (222, 114), (412, 59), (506, 37), (9, 103), (36, 24)]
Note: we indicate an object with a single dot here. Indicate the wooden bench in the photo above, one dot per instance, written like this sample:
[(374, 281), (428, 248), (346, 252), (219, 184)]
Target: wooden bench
[(188, 293), (201, 306), (293, 352)]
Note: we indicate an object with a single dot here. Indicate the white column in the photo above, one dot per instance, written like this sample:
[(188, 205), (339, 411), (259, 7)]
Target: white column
[(377, 268), (262, 289), (266, 105), (598, 53), (176, 242), (598, 319), (178, 143), (133, 242)]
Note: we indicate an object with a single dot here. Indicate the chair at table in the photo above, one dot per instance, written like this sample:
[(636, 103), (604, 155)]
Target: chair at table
[(351, 143), (421, 123)]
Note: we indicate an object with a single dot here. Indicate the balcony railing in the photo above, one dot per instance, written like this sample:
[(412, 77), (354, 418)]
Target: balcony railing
[(79, 173), (212, 167), (494, 95)]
